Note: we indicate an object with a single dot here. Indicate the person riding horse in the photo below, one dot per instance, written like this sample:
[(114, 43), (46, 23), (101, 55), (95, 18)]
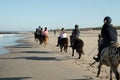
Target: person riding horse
[(43, 35), (109, 35), (75, 34), (62, 35)]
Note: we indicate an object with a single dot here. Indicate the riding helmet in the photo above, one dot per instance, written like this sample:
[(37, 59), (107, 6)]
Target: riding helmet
[(109, 20)]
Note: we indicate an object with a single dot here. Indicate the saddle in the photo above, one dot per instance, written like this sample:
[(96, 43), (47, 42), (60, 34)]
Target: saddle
[(114, 44)]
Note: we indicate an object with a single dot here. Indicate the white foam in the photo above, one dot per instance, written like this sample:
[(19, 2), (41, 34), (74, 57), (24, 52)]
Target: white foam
[(1, 35)]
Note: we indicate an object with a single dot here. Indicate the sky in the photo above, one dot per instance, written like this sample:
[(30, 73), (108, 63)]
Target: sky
[(27, 15)]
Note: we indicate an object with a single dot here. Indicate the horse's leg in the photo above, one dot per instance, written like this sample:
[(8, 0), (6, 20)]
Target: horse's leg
[(45, 41), (61, 48), (117, 74), (40, 40), (66, 49), (66, 46), (99, 68), (72, 52), (114, 67), (110, 73), (79, 55)]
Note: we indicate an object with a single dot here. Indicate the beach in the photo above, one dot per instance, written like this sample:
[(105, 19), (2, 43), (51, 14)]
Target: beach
[(32, 61)]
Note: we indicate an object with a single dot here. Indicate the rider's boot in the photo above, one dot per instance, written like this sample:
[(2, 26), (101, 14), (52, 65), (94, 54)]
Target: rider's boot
[(97, 58)]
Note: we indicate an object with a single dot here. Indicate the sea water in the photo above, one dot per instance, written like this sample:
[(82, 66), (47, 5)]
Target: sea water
[(8, 40)]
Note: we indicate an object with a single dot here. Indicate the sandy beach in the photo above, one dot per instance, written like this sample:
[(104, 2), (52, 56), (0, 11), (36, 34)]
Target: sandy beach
[(31, 61)]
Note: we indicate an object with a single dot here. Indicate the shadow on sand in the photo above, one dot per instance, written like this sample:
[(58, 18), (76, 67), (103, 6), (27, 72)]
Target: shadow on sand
[(22, 47), (35, 52), (39, 52), (38, 58), (14, 78), (35, 58), (83, 79)]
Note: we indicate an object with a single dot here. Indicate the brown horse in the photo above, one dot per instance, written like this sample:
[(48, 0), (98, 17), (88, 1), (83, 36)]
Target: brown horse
[(63, 42), (43, 39), (77, 44), (110, 56)]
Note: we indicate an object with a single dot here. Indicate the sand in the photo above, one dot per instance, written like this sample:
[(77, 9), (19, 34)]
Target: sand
[(32, 61)]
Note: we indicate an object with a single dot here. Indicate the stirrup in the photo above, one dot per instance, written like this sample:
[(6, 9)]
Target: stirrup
[(57, 45), (96, 59)]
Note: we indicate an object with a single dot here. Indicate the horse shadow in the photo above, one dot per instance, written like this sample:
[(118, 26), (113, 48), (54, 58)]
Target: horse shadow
[(15, 78), (36, 58), (83, 79), (39, 52), (21, 46), (34, 52)]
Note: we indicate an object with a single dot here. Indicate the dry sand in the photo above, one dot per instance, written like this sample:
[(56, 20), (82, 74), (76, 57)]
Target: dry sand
[(31, 61)]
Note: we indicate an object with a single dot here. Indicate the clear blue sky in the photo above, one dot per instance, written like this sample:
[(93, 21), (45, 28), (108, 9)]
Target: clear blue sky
[(26, 15)]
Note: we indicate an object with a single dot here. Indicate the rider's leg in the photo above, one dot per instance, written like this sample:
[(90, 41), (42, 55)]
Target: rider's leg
[(99, 52), (71, 40), (101, 47)]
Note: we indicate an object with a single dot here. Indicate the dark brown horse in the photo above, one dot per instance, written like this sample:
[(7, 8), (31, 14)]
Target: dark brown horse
[(42, 38), (63, 42), (77, 44), (36, 36)]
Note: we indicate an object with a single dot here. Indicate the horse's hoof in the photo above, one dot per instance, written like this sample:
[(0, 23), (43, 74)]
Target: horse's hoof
[(98, 75), (83, 53)]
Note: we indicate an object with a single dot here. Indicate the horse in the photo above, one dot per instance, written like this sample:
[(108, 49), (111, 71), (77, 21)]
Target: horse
[(110, 56), (77, 44), (36, 36), (43, 39), (63, 42)]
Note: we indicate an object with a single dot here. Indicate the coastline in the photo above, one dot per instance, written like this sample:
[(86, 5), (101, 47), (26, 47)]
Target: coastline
[(9, 40), (31, 61)]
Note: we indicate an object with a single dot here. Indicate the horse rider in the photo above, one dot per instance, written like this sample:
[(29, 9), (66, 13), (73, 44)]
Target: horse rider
[(109, 35), (45, 32), (39, 27), (62, 35), (75, 34)]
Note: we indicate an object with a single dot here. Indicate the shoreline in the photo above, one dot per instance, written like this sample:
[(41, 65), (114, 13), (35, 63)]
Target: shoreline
[(14, 43)]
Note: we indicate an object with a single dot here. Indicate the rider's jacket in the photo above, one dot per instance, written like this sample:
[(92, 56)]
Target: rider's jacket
[(108, 33)]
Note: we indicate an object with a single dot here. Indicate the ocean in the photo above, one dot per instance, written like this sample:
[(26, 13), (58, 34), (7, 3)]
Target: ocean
[(8, 40)]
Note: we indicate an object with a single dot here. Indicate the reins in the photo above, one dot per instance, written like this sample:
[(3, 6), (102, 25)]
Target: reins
[(92, 50)]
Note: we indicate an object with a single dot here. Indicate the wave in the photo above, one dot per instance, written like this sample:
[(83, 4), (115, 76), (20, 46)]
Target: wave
[(1, 35), (8, 40)]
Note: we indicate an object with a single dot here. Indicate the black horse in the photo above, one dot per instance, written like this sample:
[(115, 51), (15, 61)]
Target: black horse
[(36, 36), (77, 44), (63, 42)]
